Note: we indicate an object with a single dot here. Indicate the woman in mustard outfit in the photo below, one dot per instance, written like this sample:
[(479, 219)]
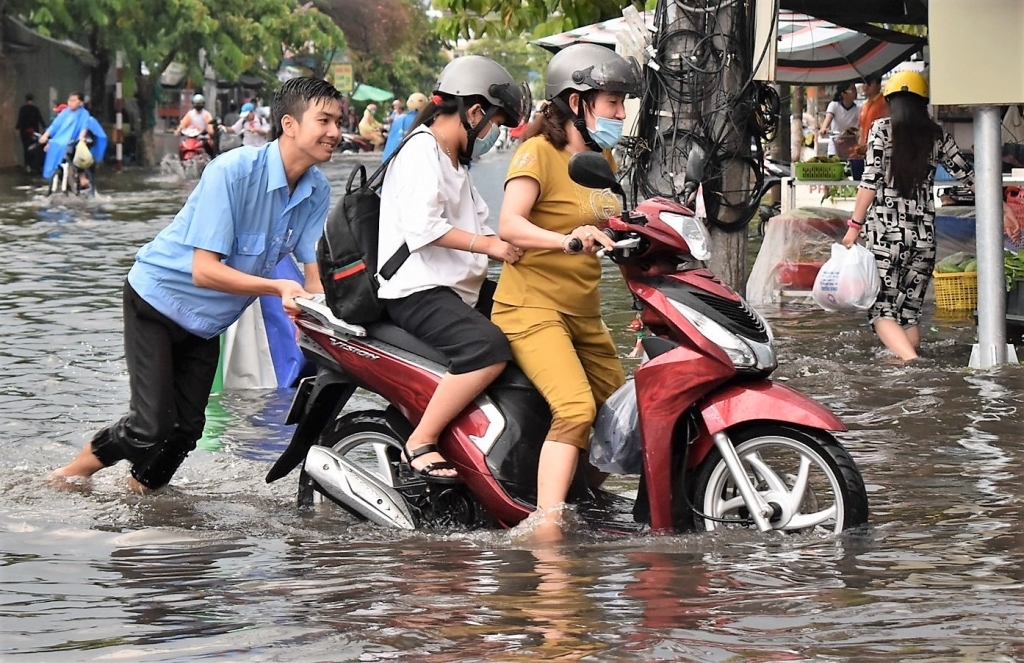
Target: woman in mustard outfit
[(548, 302)]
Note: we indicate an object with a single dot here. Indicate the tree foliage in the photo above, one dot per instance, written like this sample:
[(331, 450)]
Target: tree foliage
[(392, 43), (469, 19), (236, 36)]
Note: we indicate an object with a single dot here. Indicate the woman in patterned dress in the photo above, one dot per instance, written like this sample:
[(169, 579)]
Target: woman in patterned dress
[(895, 212)]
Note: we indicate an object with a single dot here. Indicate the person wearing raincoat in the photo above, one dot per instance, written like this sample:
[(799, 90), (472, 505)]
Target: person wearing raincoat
[(71, 125)]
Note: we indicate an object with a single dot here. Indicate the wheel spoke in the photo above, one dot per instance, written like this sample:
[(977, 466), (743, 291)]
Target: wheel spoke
[(802, 521), (796, 493), (765, 471), (729, 505)]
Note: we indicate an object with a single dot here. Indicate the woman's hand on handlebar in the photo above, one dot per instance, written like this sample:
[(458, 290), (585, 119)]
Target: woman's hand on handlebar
[(591, 238)]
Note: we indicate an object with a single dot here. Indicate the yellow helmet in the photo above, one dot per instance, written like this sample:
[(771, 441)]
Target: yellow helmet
[(416, 101), (906, 81)]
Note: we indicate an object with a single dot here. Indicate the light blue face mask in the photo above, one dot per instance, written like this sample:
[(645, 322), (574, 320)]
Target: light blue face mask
[(483, 144), (607, 132)]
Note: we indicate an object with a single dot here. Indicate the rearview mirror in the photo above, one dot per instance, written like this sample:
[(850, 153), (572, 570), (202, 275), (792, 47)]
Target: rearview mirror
[(695, 165), (591, 169)]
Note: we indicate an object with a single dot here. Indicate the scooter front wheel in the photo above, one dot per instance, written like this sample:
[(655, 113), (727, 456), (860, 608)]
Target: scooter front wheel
[(806, 476)]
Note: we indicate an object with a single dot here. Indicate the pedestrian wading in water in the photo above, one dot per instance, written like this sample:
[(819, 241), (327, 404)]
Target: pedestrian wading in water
[(252, 207), (895, 213)]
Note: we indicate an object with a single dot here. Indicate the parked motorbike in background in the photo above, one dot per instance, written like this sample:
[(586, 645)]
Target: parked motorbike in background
[(774, 171), (721, 444), (353, 143)]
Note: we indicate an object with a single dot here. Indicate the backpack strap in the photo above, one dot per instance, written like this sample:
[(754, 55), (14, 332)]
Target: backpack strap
[(377, 179), (358, 171), (403, 253), (395, 261)]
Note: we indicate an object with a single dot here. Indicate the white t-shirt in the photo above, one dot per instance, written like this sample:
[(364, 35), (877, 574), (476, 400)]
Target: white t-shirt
[(842, 119), (198, 120), (424, 197), (246, 126)]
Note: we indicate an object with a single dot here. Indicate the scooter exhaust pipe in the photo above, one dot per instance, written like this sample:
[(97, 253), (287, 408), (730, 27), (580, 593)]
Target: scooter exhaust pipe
[(357, 490)]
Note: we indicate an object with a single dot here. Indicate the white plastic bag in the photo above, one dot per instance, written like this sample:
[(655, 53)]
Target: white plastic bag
[(848, 281), (616, 444)]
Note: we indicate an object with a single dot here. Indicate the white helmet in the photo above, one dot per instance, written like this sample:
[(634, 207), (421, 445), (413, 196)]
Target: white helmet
[(198, 99)]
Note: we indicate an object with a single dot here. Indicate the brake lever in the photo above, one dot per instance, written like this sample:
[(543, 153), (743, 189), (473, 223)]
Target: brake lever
[(628, 243)]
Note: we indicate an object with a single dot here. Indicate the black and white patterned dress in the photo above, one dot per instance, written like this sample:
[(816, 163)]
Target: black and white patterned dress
[(899, 231)]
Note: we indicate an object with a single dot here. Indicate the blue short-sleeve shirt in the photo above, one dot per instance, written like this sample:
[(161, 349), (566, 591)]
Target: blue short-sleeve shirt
[(241, 209)]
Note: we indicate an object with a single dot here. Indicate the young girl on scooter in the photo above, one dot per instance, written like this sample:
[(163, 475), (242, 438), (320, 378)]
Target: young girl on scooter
[(548, 303), (429, 203)]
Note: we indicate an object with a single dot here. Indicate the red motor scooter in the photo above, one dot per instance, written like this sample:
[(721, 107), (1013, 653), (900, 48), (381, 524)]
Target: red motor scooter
[(194, 145), (722, 445)]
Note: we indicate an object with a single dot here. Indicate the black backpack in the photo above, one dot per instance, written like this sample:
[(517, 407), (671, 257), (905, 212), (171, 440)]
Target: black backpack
[(347, 251)]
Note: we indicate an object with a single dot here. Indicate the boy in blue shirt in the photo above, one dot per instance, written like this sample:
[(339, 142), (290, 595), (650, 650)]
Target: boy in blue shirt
[(252, 207)]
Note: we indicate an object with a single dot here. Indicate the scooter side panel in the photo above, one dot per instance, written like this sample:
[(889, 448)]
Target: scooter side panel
[(667, 387), (408, 383)]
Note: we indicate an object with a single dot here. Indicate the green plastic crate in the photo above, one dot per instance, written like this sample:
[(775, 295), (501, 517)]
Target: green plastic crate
[(819, 171)]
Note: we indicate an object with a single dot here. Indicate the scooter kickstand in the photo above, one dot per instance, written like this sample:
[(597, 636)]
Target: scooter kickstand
[(760, 510)]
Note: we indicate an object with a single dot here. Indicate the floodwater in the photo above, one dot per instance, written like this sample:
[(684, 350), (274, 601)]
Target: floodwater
[(222, 565)]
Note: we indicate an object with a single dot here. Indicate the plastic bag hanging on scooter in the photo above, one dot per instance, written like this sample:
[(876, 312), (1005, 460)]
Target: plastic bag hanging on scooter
[(616, 444)]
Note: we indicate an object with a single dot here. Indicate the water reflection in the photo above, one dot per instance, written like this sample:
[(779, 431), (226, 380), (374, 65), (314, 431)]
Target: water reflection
[(225, 565)]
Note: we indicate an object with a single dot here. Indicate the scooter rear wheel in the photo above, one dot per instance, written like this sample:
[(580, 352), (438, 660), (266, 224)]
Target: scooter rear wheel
[(365, 439), (807, 476)]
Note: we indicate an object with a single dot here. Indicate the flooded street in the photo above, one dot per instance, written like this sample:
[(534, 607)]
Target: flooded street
[(223, 565)]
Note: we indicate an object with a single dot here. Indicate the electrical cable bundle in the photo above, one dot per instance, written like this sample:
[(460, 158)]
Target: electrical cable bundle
[(688, 111)]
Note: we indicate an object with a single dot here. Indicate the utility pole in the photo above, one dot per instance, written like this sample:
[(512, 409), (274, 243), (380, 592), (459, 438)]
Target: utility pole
[(119, 110), (703, 110)]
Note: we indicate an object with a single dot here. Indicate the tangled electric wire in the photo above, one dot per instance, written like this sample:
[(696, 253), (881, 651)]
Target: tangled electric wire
[(691, 108)]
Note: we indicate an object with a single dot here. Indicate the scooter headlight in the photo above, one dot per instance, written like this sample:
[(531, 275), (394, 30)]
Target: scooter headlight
[(735, 348), (692, 230)]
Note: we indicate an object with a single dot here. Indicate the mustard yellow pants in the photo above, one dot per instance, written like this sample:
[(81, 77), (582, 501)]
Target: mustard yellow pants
[(572, 361)]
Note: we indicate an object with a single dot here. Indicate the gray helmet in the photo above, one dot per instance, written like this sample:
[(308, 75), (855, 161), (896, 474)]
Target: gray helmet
[(583, 67), (198, 99), (476, 75)]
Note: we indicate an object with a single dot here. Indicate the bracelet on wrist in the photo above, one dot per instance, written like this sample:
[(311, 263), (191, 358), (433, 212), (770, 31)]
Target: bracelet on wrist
[(565, 243), (854, 224), (472, 242)]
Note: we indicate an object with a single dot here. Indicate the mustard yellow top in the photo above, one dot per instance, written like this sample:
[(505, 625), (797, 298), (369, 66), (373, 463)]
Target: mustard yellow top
[(553, 279)]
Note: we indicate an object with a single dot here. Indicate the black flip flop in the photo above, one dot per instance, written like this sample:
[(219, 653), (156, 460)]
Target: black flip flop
[(425, 473)]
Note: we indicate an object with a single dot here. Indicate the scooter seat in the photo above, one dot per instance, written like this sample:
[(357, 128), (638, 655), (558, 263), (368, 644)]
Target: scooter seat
[(392, 334)]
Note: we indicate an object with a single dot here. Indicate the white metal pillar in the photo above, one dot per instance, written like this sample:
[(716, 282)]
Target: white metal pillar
[(988, 187)]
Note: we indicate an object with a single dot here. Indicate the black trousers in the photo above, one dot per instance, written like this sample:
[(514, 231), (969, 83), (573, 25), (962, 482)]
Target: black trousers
[(463, 334), (170, 374), (33, 157)]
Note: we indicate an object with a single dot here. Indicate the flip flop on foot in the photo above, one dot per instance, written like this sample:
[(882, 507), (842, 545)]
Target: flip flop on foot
[(430, 471)]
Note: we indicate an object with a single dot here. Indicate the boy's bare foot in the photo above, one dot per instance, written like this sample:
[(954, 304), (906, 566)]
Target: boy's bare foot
[(84, 465), (138, 488)]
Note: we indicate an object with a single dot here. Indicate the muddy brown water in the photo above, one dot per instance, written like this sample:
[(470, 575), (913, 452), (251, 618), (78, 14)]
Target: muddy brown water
[(223, 565)]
